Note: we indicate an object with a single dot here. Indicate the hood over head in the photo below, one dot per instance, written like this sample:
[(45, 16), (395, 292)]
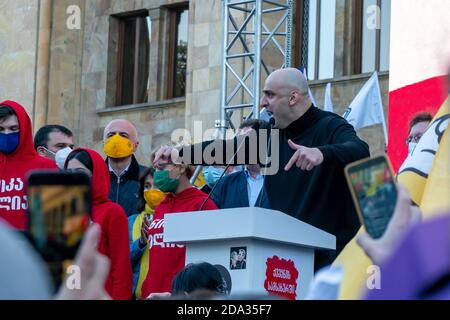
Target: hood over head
[(26, 145), (100, 181)]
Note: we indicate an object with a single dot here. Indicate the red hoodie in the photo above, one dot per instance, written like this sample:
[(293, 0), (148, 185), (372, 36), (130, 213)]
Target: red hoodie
[(14, 169), (114, 242), (167, 259)]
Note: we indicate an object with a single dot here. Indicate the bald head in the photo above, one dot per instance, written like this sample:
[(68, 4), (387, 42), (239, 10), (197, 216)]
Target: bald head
[(289, 79), (285, 96), (123, 127)]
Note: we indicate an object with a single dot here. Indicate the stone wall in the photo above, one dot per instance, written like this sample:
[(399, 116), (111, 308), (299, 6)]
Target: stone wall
[(80, 67), (79, 96), (66, 52), (204, 69), (18, 43), (204, 62), (343, 91), (155, 123)]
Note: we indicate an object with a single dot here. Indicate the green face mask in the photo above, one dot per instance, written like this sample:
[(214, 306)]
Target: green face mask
[(164, 182)]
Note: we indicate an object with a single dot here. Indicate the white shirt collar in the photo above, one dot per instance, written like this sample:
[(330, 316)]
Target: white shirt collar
[(124, 170), (248, 175)]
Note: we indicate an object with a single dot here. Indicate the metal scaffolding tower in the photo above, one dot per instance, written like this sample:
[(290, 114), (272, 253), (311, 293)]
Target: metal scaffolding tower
[(257, 37)]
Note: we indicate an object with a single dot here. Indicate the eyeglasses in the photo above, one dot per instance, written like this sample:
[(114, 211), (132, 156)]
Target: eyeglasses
[(413, 139)]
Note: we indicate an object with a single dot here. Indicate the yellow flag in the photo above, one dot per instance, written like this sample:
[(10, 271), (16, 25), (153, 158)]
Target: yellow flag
[(200, 181), (355, 264), (436, 197), (413, 174), (426, 174)]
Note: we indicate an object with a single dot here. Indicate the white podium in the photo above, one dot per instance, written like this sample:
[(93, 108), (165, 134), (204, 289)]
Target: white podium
[(264, 251)]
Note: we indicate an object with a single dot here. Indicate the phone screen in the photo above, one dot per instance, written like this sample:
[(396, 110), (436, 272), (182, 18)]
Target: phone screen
[(59, 211), (375, 193)]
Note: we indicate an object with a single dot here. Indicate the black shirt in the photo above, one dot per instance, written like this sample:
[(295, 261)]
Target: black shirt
[(319, 197)]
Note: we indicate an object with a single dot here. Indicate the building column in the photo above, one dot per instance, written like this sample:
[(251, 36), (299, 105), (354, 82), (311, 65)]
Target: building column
[(349, 37), (42, 64), (158, 54), (340, 34)]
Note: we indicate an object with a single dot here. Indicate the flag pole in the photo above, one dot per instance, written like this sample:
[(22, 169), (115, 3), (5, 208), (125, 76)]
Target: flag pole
[(382, 111)]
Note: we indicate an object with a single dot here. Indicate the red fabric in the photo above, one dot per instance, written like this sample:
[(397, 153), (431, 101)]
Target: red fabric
[(114, 242), (404, 104), (14, 169), (167, 259)]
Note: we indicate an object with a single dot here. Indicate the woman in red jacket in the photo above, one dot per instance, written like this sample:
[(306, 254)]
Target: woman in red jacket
[(111, 217), (167, 259)]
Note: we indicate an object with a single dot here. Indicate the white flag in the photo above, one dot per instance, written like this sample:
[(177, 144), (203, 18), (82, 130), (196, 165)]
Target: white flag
[(311, 97), (367, 108), (328, 103)]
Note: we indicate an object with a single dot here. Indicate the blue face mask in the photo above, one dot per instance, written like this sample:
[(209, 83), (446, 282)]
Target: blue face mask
[(212, 175), (9, 142)]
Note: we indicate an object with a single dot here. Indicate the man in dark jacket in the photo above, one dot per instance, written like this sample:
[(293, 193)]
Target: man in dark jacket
[(234, 191), (120, 143), (309, 152), (243, 188)]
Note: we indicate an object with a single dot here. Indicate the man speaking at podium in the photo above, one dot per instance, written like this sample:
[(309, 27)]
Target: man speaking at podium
[(311, 147)]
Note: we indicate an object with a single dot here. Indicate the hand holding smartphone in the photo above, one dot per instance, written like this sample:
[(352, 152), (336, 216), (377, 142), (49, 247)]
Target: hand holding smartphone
[(59, 214), (372, 185)]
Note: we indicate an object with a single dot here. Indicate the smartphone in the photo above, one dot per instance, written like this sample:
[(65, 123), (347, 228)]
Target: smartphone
[(59, 211), (372, 185)]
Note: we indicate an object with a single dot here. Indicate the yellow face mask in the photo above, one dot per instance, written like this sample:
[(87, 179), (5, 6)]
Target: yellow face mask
[(118, 147), (153, 197)]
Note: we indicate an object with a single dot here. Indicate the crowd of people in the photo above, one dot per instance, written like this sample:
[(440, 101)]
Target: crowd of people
[(129, 199)]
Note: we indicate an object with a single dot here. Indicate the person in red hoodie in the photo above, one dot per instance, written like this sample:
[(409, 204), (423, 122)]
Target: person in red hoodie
[(17, 158), (111, 217), (167, 259)]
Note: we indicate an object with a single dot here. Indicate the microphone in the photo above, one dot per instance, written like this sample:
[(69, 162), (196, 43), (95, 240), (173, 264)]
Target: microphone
[(221, 176), (263, 190), (271, 123)]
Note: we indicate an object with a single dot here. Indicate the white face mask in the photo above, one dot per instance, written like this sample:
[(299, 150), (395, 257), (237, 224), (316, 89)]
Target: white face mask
[(411, 147), (61, 157), (50, 153)]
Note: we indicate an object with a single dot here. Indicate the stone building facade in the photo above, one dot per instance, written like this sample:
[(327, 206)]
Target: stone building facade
[(68, 75)]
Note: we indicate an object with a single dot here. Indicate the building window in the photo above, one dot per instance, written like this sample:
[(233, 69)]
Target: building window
[(317, 37), (133, 59), (178, 45), (316, 32), (372, 35)]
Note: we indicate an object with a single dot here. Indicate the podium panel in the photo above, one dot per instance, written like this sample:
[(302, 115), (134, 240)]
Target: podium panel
[(259, 251)]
